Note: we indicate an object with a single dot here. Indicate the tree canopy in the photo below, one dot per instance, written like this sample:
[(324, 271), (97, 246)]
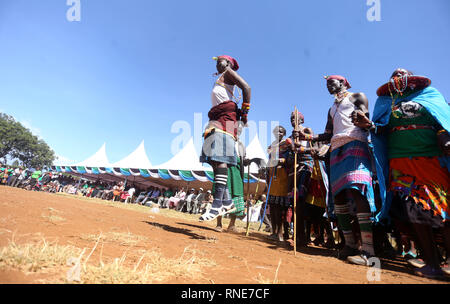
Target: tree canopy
[(17, 142)]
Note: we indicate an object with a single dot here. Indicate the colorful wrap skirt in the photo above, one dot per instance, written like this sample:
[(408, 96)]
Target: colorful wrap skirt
[(317, 194), (422, 185), (239, 203), (351, 166)]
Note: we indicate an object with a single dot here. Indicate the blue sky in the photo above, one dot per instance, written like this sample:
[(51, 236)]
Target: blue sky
[(129, 69)]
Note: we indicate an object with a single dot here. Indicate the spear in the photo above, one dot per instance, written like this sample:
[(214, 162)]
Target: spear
[(295, 180)]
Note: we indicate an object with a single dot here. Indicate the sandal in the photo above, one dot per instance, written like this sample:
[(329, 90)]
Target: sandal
[(211, 214)]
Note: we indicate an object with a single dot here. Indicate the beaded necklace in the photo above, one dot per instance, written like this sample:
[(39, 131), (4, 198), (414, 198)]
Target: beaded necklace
[(395, 81)]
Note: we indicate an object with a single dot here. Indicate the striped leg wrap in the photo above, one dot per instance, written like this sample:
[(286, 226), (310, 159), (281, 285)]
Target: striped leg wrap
[(345, 223), (220, 186), (365, 225)]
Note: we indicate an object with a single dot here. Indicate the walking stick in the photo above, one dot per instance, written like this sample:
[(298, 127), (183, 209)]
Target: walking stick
[(260, 163), (295, 181), (248, 196), (248, 222), (265, 205)]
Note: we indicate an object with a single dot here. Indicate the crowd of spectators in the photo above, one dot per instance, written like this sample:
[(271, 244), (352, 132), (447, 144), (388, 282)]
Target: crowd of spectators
[(192, 201)]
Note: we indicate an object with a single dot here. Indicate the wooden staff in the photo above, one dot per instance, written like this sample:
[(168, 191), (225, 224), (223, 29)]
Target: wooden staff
[(248, 196), (296, 128), (248, 222)]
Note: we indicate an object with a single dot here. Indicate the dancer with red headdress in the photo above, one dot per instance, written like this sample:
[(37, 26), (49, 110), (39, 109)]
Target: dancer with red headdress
[(351, 169), (410, 132), (221, 132)]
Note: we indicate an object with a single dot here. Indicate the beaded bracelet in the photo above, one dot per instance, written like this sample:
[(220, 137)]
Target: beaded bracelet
[(245, 107), (441, 131)]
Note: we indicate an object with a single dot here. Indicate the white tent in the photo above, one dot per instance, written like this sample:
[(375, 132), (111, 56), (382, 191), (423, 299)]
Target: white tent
[(99, 159), (185, 166), (255, 150), (186, 159), (137, 159)]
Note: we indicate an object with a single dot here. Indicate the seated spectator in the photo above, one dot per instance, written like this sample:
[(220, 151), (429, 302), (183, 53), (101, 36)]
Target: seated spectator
[(206, 203), (183, 202), (14, 175), (117, 191), (163, 200), (129, 194), (193, 206), (20, 179), (173, 201), (99, 190), (153, 197), (34, 178), (72, 189), (107, 193), (5, 174), (95, 189), (144, 196)]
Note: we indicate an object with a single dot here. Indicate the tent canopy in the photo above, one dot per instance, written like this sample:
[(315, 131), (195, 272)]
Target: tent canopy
[(255, 150), (182, 170), (137, 159), (99, 159), (186, 159)]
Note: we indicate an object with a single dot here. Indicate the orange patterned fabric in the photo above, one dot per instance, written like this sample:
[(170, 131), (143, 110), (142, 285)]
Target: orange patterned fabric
[(424, 180)]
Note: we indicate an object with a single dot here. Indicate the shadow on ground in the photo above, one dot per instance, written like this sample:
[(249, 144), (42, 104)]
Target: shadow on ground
[(184, 231)]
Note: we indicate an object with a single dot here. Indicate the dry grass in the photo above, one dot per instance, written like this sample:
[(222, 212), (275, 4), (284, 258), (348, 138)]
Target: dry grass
[(122, 238), (40, 257), (262, 280), (52, 216), (62, 262)]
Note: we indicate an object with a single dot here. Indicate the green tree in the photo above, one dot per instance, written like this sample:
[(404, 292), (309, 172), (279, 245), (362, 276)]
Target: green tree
[(17, 142)]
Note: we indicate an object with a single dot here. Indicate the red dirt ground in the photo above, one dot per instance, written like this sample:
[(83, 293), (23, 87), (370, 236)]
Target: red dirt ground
[(239, 259)]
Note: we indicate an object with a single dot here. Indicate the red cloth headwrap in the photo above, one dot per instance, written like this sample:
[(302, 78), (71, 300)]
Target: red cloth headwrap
[(339, 77), (234, 63), (299, 115)]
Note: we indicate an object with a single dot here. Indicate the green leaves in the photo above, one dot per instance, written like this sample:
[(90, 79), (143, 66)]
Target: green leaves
[(17, 142)]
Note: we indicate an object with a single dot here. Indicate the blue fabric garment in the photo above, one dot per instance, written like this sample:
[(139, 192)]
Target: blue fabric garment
[(219, 147), (351, 168), (432, 100)]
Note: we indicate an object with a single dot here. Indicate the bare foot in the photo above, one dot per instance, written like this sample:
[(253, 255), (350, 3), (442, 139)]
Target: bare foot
[(232, 229), (218, 229)]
